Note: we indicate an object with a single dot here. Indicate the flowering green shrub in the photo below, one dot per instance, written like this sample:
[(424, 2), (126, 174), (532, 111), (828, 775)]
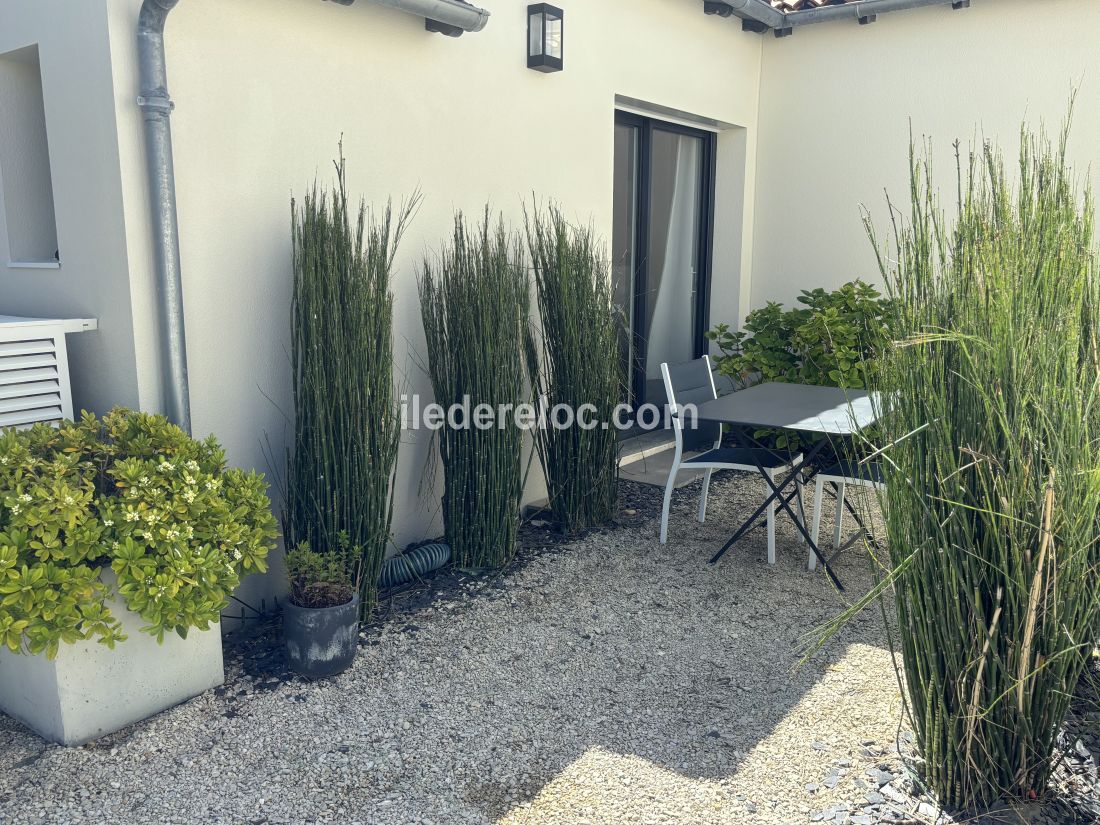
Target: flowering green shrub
[(134, 493), (830, 341)]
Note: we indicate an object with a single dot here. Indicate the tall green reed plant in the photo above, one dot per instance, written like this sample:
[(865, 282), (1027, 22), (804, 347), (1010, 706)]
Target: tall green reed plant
[(993, 479), (577, 364), (346, 423), (474, 302)]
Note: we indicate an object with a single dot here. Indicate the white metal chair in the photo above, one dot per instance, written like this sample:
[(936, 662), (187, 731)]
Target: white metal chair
[(840, 475), (692, 382)]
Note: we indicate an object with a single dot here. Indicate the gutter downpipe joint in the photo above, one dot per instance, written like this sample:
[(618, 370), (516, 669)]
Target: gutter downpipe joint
[(757, 14), (156, 107)]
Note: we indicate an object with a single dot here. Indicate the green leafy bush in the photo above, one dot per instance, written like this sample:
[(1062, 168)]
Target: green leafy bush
[(832, 340), (134, 493), (326, 579)]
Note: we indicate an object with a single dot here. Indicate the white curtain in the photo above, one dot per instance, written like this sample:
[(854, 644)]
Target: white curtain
[(672, 275)]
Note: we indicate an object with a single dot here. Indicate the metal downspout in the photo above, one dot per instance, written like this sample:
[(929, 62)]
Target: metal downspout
[(156, 107)]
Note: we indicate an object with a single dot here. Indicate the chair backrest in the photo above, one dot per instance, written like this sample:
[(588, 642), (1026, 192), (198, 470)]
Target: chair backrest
[(690, 382)]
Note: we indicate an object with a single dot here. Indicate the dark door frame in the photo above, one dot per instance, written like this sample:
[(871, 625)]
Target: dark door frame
[(646, 127)]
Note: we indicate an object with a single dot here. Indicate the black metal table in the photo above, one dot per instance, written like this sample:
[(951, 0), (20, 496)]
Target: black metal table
[(830, 413)]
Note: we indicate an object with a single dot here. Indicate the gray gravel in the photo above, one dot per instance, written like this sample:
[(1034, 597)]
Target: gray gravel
[(611, 681)]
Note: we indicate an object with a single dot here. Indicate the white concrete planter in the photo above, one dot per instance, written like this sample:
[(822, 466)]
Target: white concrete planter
[(89, 690)]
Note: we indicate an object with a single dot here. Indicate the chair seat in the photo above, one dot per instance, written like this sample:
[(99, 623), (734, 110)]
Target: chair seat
[(743, 456), (869, 473)]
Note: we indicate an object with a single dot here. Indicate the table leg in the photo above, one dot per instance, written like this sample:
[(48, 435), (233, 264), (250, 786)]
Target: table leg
[(784, 502)]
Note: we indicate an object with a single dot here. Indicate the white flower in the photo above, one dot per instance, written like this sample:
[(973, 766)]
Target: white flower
[(132, 515), (143, 480), (68, 501), (237, 555), (167, 466), (16, 509), (26, 497), (108, 522), (189, 496), (193, 465)]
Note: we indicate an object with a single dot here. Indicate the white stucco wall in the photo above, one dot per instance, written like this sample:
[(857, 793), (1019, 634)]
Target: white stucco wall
[(93, 279), (264, 90), (836, 104)]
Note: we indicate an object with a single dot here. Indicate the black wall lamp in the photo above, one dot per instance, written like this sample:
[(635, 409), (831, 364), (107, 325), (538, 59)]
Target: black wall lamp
[(545, 36)]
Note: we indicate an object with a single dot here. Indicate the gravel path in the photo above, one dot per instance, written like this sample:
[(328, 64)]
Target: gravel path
[(611, 680)]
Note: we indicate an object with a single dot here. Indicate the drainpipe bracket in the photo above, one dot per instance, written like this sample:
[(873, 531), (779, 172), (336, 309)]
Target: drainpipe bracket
[(435, 27), (157, 103)]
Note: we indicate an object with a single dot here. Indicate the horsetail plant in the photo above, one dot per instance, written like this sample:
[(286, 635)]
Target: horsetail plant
[(346, 425), (577, 366), (993, 480), (474, 302)]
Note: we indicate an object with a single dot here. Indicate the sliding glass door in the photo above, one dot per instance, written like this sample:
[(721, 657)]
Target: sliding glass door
[(661, 244)]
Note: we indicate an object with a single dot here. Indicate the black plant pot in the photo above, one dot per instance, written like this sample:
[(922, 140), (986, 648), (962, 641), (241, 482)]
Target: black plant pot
[(321, 641)]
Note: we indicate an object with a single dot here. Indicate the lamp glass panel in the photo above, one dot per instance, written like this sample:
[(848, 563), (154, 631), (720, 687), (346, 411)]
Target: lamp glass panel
[(535, 26), (554, 36)]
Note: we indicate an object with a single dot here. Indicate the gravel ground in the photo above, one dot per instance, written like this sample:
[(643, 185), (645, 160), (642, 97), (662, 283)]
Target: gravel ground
[(607, 680)]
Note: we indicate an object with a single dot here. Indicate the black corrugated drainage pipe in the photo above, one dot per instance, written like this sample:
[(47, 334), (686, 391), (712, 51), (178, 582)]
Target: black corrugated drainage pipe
[(451, 17), (414, 563)]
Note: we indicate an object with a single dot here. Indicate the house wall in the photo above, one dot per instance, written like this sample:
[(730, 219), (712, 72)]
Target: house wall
[(93, 278), (837, 101), (266, 88)]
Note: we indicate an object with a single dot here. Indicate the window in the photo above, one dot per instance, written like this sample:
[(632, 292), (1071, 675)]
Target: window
[(25, 183)]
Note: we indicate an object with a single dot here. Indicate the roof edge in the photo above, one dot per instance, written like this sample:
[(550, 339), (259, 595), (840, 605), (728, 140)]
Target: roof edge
[(761, 16)]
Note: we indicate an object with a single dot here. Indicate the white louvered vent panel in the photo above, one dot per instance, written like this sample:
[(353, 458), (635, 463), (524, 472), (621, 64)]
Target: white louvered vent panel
[(34, 369), (30, 382)]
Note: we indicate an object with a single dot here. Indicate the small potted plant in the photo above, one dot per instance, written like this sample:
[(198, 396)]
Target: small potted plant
[(121, 540), (321, 616)]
